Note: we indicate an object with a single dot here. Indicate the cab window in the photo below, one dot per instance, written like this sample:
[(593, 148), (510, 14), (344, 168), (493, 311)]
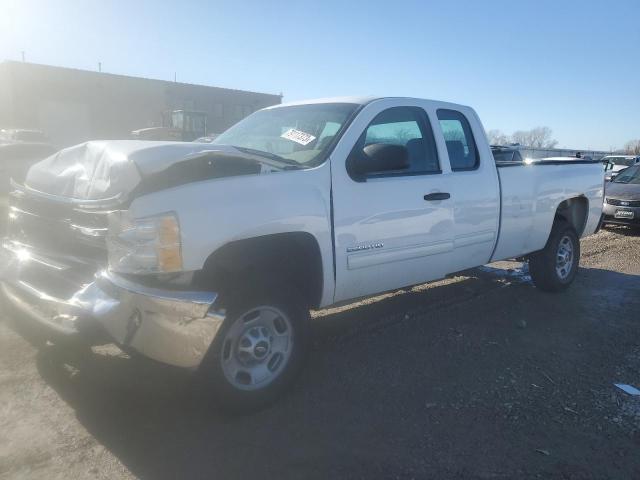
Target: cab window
[(408, 127), (461, 146)]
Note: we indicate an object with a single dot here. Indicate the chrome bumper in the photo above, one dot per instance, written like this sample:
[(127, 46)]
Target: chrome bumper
[(174, 327), (609, 213)]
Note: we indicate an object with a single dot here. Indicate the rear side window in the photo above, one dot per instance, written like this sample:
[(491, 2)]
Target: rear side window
[(461, 146), (409, 127)]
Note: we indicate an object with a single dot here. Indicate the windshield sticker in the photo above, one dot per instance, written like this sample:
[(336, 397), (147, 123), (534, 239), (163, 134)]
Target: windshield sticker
[(297, 136)]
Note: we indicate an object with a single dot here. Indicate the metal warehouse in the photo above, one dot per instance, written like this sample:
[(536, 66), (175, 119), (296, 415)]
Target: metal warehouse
[(72, 106)]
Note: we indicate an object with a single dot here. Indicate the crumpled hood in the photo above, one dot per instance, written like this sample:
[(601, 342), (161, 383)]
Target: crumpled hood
[(99, 170), (623, 191)]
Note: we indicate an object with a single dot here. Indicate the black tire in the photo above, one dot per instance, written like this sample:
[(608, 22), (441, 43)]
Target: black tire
[(542, 264), (211, 372)]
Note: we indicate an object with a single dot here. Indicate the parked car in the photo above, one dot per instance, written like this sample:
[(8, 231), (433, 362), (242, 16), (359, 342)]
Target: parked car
[(208, 139), (615, 163), (10, 135), (210, 256), (622, 198), (182, 125)]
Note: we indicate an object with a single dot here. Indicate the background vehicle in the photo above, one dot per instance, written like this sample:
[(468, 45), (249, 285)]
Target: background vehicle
[(216, 252), (615, 163), (179, 125), (11, 135), (622, 198), (208, 139)]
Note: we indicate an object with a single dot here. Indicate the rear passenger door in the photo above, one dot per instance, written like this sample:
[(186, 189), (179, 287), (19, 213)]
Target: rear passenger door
[(475, 191)]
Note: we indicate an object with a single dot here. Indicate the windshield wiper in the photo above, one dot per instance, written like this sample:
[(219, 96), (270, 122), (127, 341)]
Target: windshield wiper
[(269, 155)]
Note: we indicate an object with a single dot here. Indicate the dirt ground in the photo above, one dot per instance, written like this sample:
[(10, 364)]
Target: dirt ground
[(478, 376)]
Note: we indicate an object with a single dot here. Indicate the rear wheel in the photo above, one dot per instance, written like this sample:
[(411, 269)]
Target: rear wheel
[(554, 268), (258, 350)]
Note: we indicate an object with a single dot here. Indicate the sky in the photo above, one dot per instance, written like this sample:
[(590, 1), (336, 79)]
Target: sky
[(571, 65)]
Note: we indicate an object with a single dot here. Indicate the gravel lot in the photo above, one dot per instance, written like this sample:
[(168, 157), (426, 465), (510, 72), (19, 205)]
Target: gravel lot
[(478, 376)]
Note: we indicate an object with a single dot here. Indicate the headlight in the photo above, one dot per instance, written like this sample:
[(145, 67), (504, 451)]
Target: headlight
[(144, 245)]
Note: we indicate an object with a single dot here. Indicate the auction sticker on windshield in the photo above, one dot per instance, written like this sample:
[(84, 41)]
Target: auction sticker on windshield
[(298, 136)]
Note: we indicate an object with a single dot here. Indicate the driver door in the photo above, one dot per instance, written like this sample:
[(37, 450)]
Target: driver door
[(391, 228)]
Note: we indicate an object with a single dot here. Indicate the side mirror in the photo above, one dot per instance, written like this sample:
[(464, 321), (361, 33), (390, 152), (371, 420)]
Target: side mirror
[(379, 158)]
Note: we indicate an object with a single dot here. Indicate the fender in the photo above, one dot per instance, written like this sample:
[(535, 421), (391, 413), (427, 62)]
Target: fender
[(215, 212)]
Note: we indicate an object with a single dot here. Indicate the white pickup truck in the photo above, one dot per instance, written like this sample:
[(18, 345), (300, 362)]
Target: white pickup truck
[(210, 256)]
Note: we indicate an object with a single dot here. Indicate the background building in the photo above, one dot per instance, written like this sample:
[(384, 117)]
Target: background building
[(72, 106)]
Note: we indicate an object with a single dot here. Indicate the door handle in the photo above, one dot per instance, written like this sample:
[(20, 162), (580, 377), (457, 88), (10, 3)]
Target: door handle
[(432, 197)]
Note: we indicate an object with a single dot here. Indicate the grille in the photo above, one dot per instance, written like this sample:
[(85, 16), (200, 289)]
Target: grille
[(57, 229), (623, 203)]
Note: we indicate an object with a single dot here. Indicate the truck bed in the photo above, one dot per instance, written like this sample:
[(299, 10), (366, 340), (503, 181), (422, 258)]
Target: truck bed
[(531, 192)]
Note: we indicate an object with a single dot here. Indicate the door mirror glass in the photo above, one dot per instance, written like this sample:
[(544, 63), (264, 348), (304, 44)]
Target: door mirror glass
[(397, 142), (379, 158)]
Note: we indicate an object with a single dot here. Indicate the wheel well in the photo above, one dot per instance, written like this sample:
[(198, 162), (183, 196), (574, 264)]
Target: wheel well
[(575, 211), (292, 258)]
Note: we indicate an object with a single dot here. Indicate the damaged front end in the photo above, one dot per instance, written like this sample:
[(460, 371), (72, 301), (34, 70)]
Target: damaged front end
[(53, 268), (76, 261)]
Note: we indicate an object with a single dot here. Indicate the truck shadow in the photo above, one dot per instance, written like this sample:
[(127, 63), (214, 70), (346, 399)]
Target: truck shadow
[(388, 379)]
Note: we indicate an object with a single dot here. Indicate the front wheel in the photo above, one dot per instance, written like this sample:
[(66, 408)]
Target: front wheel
[(554, 268), (258, 350)]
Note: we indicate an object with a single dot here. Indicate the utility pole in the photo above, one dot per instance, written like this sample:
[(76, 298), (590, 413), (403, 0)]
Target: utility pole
[(100, 66), (175, 77), (22, 56)]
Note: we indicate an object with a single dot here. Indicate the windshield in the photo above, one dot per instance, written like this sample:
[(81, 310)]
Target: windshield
[(301, 134), (627, 162), (630, 175)]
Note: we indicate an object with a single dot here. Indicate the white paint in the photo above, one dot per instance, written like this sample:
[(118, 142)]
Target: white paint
[(421, 241), (405, 253)]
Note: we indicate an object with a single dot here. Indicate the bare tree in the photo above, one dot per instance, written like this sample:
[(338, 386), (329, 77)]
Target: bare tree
[(497, 137), (539, 137), (542, 137), (521, 137), (632, 147)]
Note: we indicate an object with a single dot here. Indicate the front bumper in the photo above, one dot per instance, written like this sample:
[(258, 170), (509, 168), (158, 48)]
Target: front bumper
[(171, 326), (609, 215)]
